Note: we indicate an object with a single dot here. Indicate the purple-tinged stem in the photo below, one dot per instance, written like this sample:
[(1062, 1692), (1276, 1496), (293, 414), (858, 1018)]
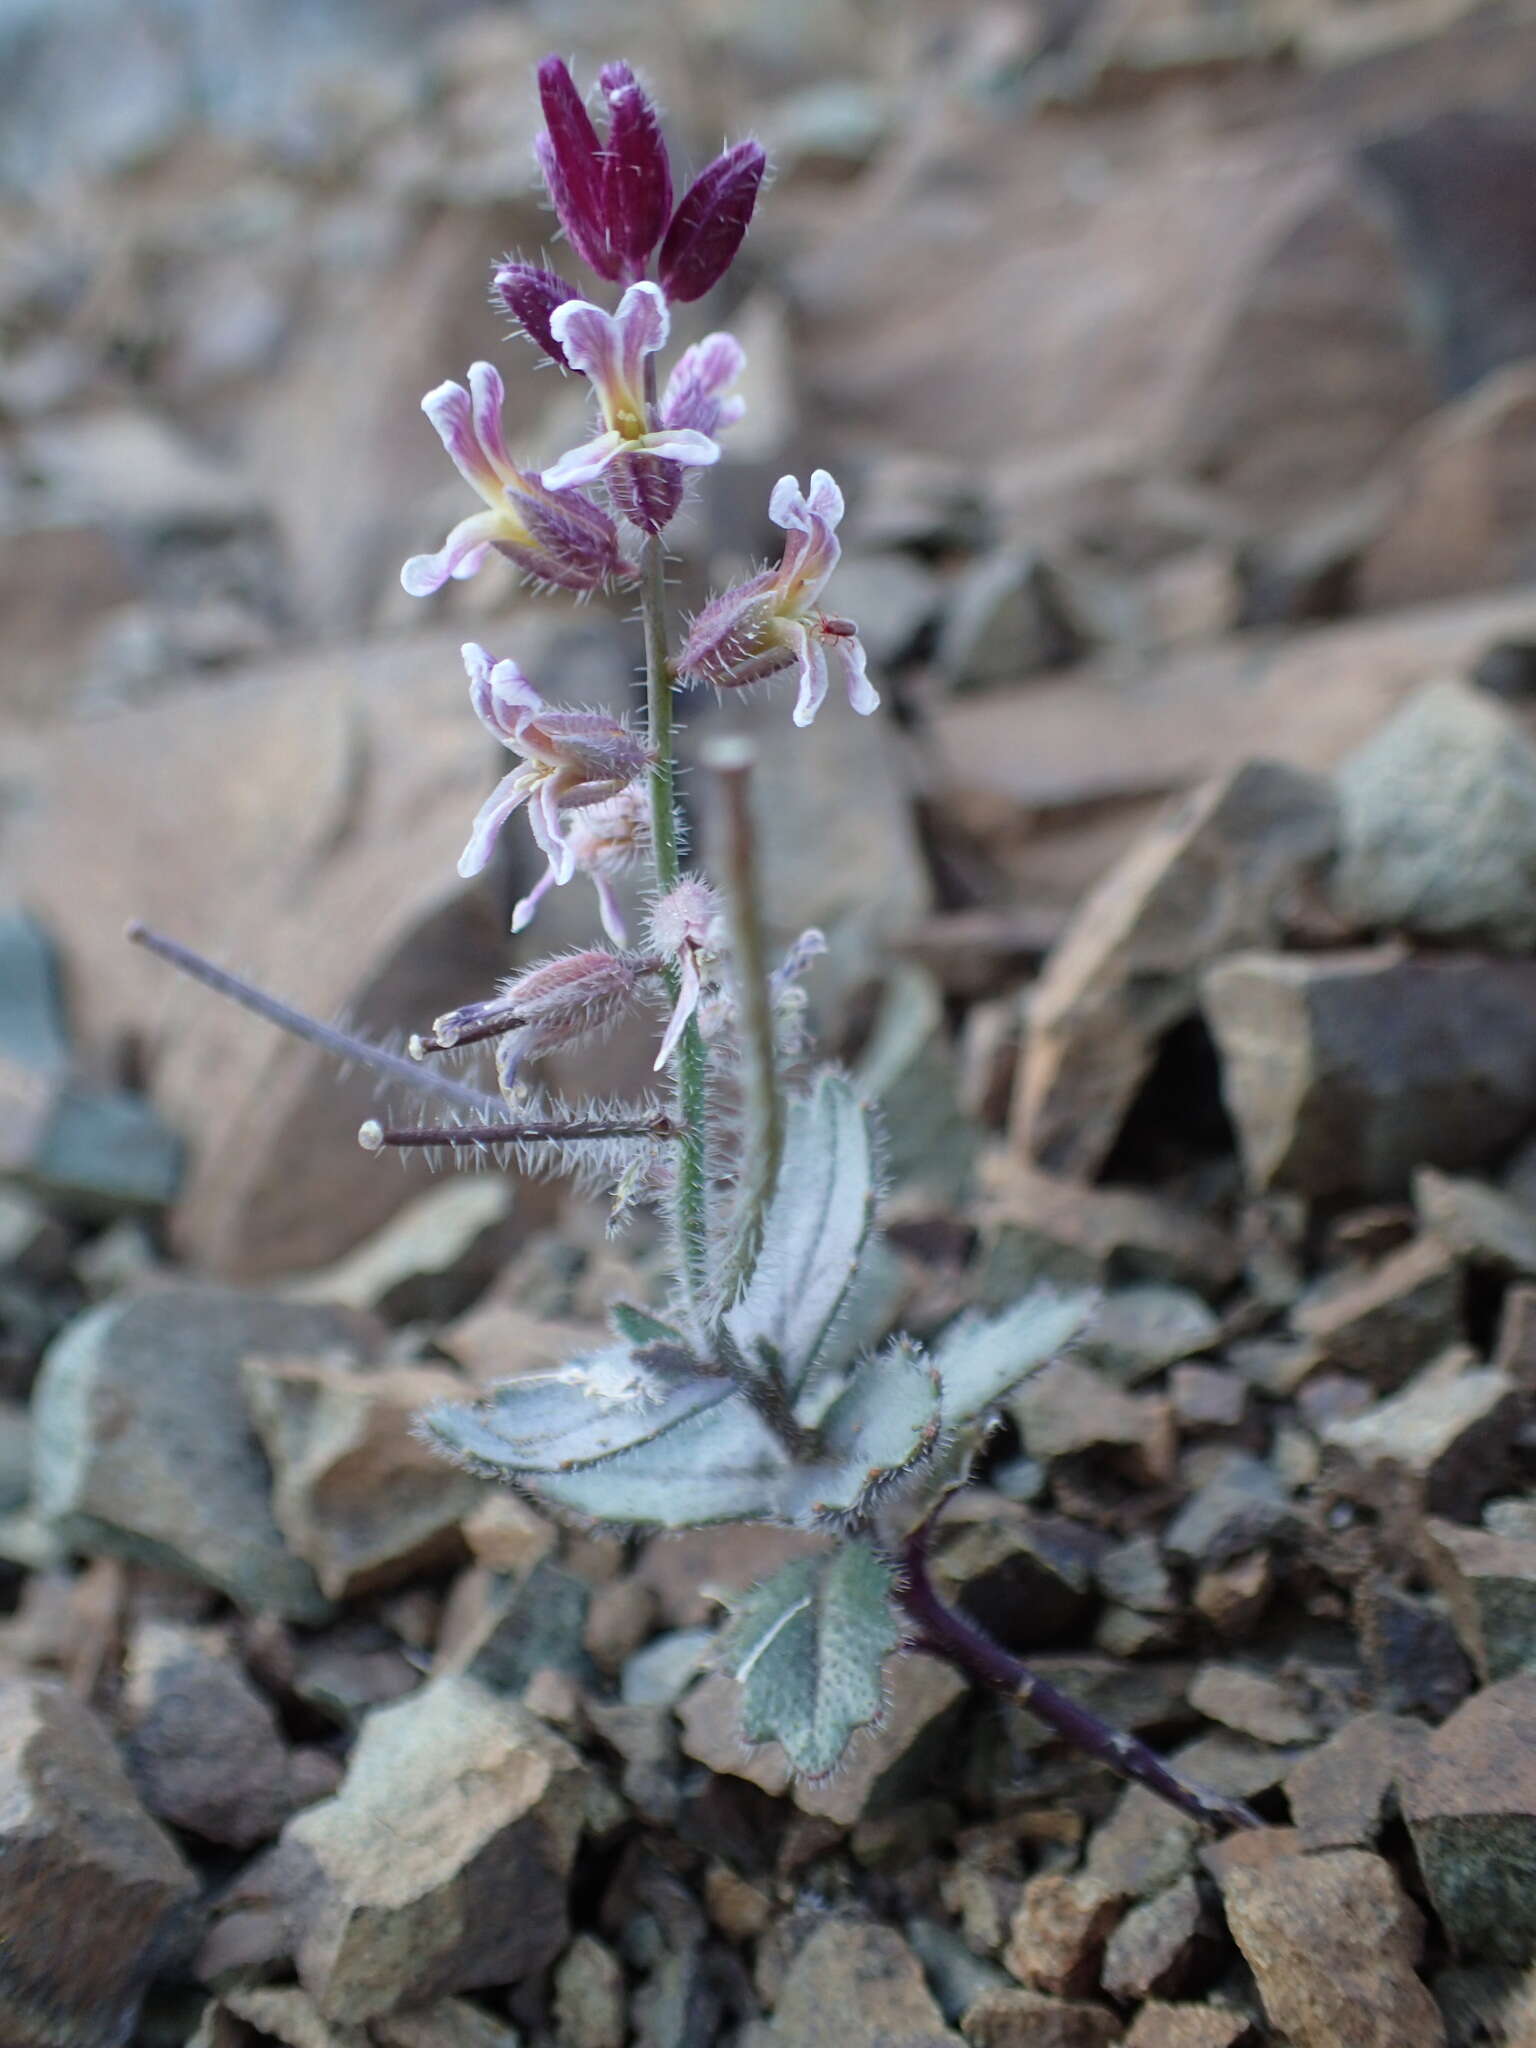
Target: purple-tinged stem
[(340, 1044), (373, 1137), (943, 1631)]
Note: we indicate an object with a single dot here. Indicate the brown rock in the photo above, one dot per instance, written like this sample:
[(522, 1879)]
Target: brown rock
[(1345, 1071), (1232, 1597), (1479, 1223), (1034, 1225), (854, 1985), (1387, 1322), (1442, 1444), (1208, 1398), (93, 1894), (1058, 1933), (506, 1535), (589, 1996), (1211, 876), (1031, 2019), (396, 1889), (202, 1745), (1515, 1352), (1066, 1409), (1189, 2026), (313, 828), (356, 1493), (1343, 1793), (1332, 1940), (1156, 1949), (1142, 1848), (1250, 1703), (1460, 517), (1489, 1585), (1470, 1804), (284, 2013)]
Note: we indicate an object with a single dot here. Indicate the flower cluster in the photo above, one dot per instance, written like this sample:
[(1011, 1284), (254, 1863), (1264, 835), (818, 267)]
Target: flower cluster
[(598, 794)]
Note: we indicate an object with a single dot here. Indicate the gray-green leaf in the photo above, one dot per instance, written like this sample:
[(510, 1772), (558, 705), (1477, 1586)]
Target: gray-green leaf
[(817, 1226), (807, 1648), (589, 1410), (883, 1423), (979, 1359), (722, 1464)]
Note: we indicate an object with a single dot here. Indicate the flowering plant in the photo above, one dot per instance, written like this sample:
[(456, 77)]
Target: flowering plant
[(767, 1387)]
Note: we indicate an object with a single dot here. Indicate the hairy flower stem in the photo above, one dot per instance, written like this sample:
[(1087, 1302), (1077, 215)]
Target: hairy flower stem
[(691, 1225), (340, 1044), (946, 1633), (763, 1132)]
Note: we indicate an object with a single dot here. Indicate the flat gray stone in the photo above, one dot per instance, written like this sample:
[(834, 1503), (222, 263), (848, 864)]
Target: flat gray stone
[(142, 1446)]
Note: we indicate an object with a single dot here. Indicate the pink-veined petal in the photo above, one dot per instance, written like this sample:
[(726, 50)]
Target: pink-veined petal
[(588, 340), (695, 393), (503, 800), (502, 696), (689, 989), (459, 556), (643, 324), (824, 498), (848, 652), (813, 677), (487, 394), (679, 444), (449, 407), (582, 465)]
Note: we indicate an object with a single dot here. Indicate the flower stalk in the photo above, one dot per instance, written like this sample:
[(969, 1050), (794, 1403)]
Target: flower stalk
[(762, 1101), (690, 1214)]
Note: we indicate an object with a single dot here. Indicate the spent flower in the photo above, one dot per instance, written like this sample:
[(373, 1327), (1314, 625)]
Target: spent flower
[(603, 841), (569, 759), (554, 537), (773, 621), (687, 928)]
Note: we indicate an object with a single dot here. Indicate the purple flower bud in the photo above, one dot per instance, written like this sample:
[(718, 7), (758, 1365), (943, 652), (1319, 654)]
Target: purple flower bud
[(712, 217), (637, 179), (529, 296), (571, 159)]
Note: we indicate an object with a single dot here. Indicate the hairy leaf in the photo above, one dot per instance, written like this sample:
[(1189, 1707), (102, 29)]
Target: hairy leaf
[(884, 1422), (816, 1229), (721, 1465), (587, 1411), (807, 1648), (639, 1327), (979, 1359)]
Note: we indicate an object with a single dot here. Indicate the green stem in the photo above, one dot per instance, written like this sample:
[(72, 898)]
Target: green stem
[(763, 1136), (692, 1178)]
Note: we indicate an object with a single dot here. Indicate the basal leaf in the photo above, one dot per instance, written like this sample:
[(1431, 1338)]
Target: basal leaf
[(589, 1410), (720, 1465), (980, 1358), (816, 1229), (883, 1423), (807, 1648)]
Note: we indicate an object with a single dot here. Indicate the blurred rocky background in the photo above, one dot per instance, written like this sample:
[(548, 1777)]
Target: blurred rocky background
[(1179, 363)]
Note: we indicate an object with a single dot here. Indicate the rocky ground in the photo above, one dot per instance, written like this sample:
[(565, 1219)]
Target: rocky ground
[(1181, 369)]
